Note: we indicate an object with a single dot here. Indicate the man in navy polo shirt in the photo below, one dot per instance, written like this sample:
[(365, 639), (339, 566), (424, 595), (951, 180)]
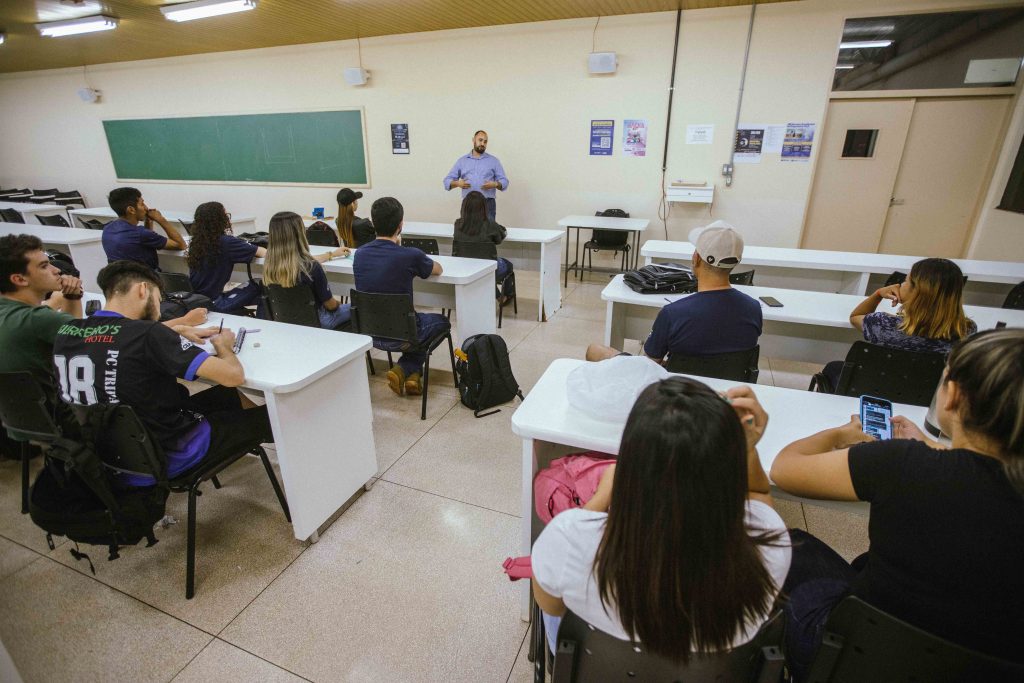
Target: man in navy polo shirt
[(384, 266), (125, 240)]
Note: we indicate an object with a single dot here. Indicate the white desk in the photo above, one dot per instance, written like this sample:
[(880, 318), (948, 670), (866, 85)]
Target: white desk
[(810, 326), (85, 247), (526, 248), (633, 225), (551, 428), (31, 212), (845, 271), (104, 214)]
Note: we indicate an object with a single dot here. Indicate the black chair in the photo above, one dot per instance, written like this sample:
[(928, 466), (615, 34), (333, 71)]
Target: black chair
[(174, 282), (489, 250), (608, 240), (897, 278), (11, 216), (187, 226), (588, 655), (295, 305), (897, 375), (92, 223), (739, 366), (57, 221), (69, 198), (392, 317), (863, 643), (1015, 299), (428, 245), (16, 195), (744, 278), (25, 415), (322, 238), (43, 196)]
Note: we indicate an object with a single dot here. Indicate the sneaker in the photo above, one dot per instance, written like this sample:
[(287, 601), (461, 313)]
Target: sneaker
[(414, 385), (396, 379)]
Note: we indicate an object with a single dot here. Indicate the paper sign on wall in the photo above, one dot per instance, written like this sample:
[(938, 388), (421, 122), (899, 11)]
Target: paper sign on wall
[(700, 134), (747, 146), (634, 137), (798, 142), (602, 137), (773, 137), (399, 138)]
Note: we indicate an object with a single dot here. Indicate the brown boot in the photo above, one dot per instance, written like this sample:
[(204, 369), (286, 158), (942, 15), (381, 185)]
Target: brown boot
[(396, 380), (414, 385)]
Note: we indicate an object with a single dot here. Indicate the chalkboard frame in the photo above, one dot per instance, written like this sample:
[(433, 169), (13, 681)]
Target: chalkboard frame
[(258, 183)]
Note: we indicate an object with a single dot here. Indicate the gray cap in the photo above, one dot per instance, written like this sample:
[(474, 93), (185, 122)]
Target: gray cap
[(718, 244)]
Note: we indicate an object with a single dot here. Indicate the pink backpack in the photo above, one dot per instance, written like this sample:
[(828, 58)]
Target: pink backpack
[(568, 482)]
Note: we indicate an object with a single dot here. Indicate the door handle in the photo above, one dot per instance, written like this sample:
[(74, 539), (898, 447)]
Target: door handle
[(896, 202)]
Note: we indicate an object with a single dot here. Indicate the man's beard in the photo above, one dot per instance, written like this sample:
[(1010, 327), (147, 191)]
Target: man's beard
[(480, 149), (152, 311)]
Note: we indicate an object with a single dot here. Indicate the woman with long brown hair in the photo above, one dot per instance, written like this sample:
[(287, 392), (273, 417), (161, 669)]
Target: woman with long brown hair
[(680, 549), (212, 254), (353, 231)]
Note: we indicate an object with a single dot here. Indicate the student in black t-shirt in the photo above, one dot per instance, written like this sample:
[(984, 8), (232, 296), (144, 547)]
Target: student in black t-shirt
[(212, 254), (353, 230), (474, 225), (122, 354), (947, 523)]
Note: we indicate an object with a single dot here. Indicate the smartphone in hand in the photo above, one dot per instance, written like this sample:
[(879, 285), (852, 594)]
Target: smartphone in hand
[(876, 417)]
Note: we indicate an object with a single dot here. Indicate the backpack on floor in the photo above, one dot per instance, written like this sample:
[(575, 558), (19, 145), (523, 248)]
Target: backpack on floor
[(568, 482), (484, 375)]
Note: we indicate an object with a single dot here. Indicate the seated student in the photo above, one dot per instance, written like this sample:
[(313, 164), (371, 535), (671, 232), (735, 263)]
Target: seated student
[(931, 317), (137, 361), (353, 230), (123, 239), (384, 266), (212, 255), (474, 226), (715, 319), (288, 263), (947, 524), (680, 548)]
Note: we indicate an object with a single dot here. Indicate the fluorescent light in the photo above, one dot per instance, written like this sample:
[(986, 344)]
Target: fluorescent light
[(55, 29), (855, 44), (846, 66), (3, 38), (187, 11)]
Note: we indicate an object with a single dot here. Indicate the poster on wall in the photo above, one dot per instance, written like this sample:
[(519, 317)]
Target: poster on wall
[(602, 137), (700, 134), (399, 138), (747, 146), (634, 137), (798, 143), (774, 134)]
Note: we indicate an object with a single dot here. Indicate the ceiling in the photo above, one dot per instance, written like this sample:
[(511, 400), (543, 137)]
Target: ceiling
[(144, 33)]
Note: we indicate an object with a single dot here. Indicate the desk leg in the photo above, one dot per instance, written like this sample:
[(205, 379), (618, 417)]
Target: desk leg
[(526, 524), (475, 310), (614, 325), (566, 283), (550, 292), (321, 471)]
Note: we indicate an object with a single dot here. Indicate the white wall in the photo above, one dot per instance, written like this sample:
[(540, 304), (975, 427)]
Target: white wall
[(526, 84)]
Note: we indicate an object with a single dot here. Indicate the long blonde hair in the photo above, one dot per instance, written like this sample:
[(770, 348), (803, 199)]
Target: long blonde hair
[(288, 256), (346, 215), (936, 310)]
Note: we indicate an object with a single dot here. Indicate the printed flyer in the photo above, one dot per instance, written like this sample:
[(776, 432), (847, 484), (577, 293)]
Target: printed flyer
[(634, 137), (602, 137), (798, 143)]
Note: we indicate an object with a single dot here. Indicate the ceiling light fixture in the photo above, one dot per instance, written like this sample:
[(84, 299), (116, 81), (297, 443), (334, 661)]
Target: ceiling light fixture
[(187, 11), (3, 37), (858, 44), (55, 29), (846, 66)]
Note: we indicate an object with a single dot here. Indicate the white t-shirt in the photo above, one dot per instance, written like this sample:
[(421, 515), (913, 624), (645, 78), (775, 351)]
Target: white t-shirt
[(563, 561)]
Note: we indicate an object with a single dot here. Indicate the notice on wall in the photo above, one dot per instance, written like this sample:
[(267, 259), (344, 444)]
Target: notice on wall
[(774, 135), (798, 142), (602, 137), (634, 137), (399, 138), (747, 146), (700, 134)]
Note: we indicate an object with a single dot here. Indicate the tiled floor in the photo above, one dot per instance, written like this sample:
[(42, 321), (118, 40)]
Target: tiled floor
[(406, 585)]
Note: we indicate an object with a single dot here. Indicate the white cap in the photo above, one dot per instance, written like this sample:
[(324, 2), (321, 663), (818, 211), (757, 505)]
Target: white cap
[(718, 244)]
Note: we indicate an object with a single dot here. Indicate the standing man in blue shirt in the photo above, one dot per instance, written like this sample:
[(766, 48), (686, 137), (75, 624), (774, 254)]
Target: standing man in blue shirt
[(478, 171), (124, 240)]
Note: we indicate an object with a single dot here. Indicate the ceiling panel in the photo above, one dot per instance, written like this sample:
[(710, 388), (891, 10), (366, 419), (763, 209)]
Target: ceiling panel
[(144, 33)]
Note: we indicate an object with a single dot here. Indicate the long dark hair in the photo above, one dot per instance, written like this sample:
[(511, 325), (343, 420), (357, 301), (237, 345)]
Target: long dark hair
[(676, 560), (211, 222), (474, 213)]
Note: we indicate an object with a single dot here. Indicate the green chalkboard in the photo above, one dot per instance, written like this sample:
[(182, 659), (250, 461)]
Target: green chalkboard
[(322, 147)]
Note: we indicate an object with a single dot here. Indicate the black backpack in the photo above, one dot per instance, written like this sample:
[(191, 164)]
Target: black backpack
[(661, 278), (260, 239), (322, 235), (178, 304), (62, 262), (484, 375)]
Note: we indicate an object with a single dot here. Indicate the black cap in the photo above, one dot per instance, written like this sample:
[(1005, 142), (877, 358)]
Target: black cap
[(347, 196)]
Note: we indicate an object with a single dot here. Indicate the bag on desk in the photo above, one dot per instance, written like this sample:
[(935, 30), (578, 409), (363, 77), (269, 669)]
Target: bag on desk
[(661, 278), (483, 374), (260, 239), (178, 304)]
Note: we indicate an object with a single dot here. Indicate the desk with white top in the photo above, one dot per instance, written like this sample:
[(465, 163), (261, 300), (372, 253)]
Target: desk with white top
[(810, 326), (846, 272), (30, 211), (239, 224), (551, 428), (631, 225), (85, 247)]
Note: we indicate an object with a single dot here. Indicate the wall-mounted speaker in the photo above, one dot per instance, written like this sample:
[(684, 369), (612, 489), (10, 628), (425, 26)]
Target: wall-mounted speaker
[(602, 62), (89, 95), (356, 76)]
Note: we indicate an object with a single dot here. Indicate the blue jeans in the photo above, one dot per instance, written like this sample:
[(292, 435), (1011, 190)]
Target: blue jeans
[(332, 320), (503, 269), (492, 207), (427, 326), (237, 298), (551, 625)]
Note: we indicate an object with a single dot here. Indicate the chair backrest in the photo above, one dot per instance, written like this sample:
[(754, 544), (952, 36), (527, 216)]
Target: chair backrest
[(53, 220), (295, 305), (744, 278), (481, 250), (92, 223), (187, 225), (390, 316), (611, 238), (896, 375), (174, 282), (43, 196), (428, 245), (1015, 299), (739, 366), (586, 654), (69, 198), (863, 643), (23, 408), (319, 237), (896, 278), (11, 216)]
